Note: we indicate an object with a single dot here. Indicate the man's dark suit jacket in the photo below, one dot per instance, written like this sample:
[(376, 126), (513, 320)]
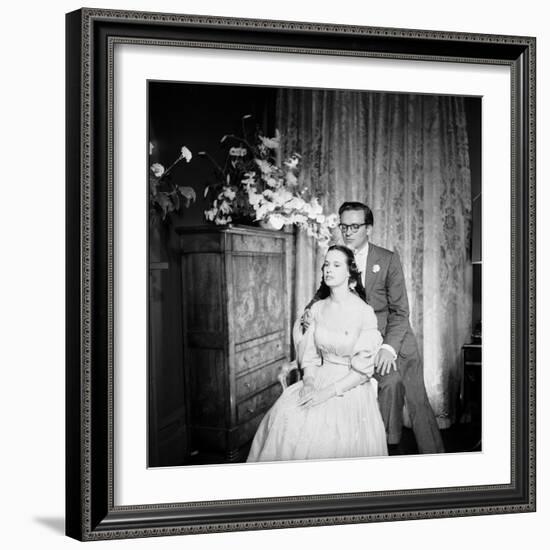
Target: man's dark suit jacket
[(387, 294)]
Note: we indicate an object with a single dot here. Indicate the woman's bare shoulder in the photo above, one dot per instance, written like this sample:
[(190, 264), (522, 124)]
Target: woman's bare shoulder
[(318, 306)]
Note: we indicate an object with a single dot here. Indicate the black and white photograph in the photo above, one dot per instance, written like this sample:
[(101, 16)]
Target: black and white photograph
[(314, 284)]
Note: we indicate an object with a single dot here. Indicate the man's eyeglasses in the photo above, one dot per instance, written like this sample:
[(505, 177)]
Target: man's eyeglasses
[(352, 227)]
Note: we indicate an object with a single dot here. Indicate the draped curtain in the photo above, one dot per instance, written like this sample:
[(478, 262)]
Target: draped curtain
[(406, 156)]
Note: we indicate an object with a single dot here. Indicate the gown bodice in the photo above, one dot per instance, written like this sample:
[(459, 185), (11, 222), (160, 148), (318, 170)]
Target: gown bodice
[(330, 343)]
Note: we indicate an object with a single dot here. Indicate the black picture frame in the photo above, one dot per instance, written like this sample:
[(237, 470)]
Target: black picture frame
[(90, 510)]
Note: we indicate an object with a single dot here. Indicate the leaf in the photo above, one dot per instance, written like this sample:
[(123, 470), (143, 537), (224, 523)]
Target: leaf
[(175, 202), (153, 184), (188, 193), (164, 202)]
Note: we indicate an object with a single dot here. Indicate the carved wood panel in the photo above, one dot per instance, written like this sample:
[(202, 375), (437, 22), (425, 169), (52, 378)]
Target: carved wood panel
[(259, 295)]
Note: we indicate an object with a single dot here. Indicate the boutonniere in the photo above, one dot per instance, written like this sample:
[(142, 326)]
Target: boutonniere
[(375, 268)]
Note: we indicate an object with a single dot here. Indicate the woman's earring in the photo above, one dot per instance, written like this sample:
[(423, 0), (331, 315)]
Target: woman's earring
[(352, 285)]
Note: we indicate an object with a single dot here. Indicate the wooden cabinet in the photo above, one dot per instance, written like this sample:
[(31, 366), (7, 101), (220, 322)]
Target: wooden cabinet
[(236, 326)]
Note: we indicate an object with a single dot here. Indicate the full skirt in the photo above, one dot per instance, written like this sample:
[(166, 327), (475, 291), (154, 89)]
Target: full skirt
[(344, 426)]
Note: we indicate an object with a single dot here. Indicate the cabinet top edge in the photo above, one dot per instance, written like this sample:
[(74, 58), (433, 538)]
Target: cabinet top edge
[(234, 230)]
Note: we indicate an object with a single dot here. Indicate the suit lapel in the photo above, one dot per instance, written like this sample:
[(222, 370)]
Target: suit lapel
[(370, 276)]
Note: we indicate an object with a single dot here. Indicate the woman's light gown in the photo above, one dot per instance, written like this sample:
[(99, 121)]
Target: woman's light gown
[(344, 426)]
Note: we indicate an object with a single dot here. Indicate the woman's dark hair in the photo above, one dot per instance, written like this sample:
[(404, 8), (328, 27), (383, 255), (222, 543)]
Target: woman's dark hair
[(354, 277)]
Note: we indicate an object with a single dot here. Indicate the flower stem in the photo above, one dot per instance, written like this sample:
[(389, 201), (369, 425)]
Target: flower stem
[(216, 165), (172, 165)]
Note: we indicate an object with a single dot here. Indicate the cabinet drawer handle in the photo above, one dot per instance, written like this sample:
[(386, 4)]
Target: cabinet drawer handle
[(249, 410), (247, 385)]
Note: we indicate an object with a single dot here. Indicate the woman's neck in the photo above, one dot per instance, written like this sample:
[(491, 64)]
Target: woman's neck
[(340, 294)]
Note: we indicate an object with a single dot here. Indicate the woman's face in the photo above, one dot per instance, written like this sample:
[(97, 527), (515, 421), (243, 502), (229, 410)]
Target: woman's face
[(335, 269)]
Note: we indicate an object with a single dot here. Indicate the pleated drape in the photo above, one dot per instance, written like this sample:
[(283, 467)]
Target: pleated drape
[(406, 156)]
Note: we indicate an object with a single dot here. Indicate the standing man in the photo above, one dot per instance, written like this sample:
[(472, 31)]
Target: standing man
[(399, 369)]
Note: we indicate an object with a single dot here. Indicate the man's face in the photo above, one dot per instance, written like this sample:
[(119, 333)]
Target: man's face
[(359, 238)]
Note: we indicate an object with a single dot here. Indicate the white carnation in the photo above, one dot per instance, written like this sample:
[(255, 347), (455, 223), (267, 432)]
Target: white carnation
[(186, 154), (157, 169)]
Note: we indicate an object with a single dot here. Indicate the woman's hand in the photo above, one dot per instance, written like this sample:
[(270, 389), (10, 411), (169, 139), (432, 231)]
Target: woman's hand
[(306, 319), (308, 387), (317, 397)]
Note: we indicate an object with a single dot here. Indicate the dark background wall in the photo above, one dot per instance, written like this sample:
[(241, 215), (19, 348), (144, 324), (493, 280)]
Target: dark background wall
[(473, 116)]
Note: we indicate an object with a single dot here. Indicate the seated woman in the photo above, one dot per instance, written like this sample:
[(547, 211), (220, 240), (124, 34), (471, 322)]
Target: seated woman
[(333, 412)]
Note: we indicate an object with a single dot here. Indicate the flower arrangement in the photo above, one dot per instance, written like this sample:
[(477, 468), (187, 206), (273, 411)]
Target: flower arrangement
[(254, 185), (164, 195)]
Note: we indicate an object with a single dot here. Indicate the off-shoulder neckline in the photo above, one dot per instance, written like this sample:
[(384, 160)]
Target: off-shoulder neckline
[(317, 305)]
